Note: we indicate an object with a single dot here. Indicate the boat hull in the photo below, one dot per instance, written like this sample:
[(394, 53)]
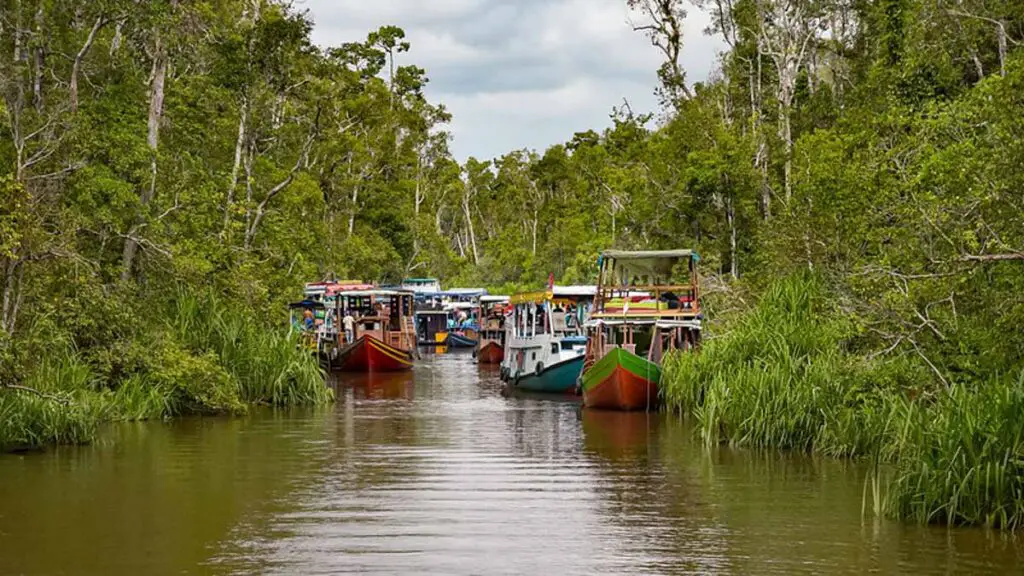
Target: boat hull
[(490, 353), (368, 354), (460, 341), (558, 378), (621, 381)]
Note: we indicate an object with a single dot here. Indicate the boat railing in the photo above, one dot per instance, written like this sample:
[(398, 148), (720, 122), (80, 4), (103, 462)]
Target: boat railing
[(646, 300)]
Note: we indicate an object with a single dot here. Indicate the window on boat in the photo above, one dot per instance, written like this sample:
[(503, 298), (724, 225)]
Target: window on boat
[(554, 347)]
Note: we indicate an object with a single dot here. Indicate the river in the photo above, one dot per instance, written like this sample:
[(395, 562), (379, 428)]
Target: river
[(434, 472)]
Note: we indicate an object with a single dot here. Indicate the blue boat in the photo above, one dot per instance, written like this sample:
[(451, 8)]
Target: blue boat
[(557, 379), (457, 340)]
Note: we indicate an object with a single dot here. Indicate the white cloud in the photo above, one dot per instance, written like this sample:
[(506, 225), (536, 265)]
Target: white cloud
[(520, 73)]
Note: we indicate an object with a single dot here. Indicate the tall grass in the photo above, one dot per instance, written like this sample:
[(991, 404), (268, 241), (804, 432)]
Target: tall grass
[(28, 421), (199, 355), (781, 377), (962, 459), (267, 363)]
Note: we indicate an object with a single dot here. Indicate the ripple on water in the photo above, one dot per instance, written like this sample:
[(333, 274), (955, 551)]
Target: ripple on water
[(433, 472)]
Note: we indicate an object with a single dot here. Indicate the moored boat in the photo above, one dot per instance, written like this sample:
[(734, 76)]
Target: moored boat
[(463, 330), (383, 334), (642, 311), (316, 317), (368, 354), (545, 345), (490, 347)]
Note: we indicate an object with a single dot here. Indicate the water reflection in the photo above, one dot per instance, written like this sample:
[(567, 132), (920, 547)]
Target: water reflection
[(434, 472), (381, 385)]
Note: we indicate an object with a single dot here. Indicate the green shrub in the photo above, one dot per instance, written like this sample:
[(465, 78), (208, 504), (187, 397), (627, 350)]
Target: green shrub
[(781, 377), (28, 421), (962, 458)]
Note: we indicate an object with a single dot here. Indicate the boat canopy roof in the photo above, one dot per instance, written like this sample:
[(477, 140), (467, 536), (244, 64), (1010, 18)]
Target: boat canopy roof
[(558, 294), (493, 299), (465, 292), (459, 306), (419, 281), (334, 288), (378, 292), (574, 291), (656, 265), (306, 304), (622, 255)]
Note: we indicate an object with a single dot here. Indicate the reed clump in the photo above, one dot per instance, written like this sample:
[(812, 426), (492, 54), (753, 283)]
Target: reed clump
[(197, 355), (783, 376)]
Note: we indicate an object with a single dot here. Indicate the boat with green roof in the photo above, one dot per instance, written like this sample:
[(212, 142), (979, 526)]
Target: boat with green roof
[(646, 305)]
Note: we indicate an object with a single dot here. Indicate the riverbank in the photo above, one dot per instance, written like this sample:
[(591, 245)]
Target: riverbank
[(196, 354), (788, 374)]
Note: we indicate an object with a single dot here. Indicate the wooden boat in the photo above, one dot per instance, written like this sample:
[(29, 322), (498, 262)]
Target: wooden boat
[(461, 340), (490, 348), (431, 327), (384, 339), (431, 319), (321, 301), (545, 344), (461, 305), (641, 312)]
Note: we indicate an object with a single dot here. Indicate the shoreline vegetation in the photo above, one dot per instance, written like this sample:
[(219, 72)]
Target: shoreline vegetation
[(785, 374), (850, 175), (198, 356)]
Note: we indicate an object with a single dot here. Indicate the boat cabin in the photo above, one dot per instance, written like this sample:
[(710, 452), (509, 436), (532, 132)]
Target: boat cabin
[(303, 320), (386, 315), (545, 336), (491, 311), (646, 303), (421, 285)]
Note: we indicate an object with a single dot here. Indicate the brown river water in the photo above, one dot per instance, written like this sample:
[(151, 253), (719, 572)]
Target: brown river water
[(434, 472)]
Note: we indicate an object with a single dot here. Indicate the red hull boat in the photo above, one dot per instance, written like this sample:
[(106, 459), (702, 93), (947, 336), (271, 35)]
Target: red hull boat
[(491, 353), (368, 354)]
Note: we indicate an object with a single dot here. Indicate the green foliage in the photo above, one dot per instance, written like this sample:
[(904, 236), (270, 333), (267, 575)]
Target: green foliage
[(960, 457), (782, 376), (778, 378), (27, 422)]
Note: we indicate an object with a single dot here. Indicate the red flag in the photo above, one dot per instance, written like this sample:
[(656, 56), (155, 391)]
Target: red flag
[(551, 280)]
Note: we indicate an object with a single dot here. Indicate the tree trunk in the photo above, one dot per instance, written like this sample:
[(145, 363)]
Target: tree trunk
[(354, 210), (38, 57), (730, 216), (535, 218), (10, 293), (469, 226), (156, 110), (786, 134), (1001, 40), (76, 66), (239, 147)]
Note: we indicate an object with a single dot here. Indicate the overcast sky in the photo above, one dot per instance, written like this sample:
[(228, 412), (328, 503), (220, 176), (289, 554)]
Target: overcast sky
[(520, 73)]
